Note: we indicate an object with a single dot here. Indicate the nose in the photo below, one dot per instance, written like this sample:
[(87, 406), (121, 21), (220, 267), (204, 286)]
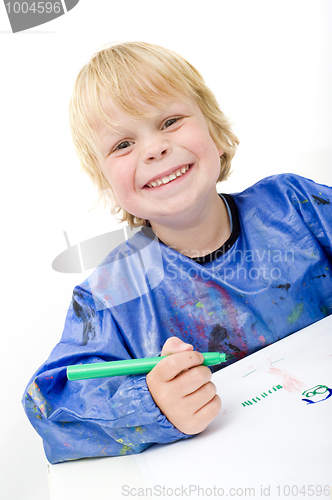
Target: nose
[(156, 151)]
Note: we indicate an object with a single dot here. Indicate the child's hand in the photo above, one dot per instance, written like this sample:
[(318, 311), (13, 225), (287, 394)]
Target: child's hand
[(182, 389)]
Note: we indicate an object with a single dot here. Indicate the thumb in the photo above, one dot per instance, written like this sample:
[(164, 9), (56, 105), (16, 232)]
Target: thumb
[(174, 345)]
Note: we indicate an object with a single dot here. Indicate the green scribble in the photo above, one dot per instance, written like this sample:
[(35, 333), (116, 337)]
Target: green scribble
[(295, 315), (199, 304), (318, 389), (263, 395), (249, 373)]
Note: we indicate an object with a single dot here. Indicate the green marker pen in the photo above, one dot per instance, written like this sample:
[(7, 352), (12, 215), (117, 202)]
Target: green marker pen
[(130, 366)]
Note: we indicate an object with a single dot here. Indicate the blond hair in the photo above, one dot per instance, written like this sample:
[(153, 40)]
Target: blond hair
[(132, 72)]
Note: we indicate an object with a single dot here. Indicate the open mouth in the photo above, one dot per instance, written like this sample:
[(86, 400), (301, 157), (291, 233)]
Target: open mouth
[(169, 178)]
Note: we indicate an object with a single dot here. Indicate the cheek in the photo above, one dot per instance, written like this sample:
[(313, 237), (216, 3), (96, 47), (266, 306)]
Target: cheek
[(201, 143), (207, 150), (119, 177), (122, 179)]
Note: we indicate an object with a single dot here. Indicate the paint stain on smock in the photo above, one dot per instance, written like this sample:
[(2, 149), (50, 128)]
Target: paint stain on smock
[(295, 315)]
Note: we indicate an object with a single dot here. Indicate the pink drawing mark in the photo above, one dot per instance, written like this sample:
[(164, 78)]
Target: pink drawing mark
[(289, 382), (224, 410)]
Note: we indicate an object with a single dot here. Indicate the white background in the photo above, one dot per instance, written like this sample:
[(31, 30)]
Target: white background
[(269, 64)]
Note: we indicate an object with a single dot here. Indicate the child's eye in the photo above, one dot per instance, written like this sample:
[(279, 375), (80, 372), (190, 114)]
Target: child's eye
[(170, 122), (122, 145)]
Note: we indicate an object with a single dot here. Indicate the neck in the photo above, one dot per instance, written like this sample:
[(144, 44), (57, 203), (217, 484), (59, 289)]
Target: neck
[(198, 235)]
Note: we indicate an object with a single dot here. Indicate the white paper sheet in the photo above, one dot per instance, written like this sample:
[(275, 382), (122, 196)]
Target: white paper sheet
[(279, 446), (266, 438)]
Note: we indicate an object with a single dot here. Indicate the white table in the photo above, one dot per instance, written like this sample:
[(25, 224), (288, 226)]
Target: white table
[(266, 442)]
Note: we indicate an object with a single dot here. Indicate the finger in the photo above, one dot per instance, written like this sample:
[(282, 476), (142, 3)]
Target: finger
[(173, 345), (204, 416), (171, 366), (191, 380), (198, 399)]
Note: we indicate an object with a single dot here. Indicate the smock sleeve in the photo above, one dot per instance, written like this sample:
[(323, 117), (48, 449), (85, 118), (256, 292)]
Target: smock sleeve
[(314, 203), (97, 417)]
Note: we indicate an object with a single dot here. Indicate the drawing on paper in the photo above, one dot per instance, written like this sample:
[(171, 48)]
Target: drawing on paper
[(317, 394), (250, 402)]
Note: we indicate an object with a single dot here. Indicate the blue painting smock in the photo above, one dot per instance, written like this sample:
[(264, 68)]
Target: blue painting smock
[(270, 279)]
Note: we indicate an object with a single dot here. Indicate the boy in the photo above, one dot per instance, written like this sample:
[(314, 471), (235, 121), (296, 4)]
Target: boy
[(207, 272)]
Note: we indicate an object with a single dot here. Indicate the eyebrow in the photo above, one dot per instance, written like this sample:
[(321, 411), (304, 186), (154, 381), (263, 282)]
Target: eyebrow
[(106, 137)]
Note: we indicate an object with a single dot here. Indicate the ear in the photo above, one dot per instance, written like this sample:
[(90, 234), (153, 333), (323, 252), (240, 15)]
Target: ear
[(220, 151)]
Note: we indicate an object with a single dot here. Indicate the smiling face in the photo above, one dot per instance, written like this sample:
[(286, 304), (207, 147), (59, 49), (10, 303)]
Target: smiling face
[(162, 167)]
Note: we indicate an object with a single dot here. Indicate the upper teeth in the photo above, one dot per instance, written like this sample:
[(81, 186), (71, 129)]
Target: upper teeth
[(169, 178)]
